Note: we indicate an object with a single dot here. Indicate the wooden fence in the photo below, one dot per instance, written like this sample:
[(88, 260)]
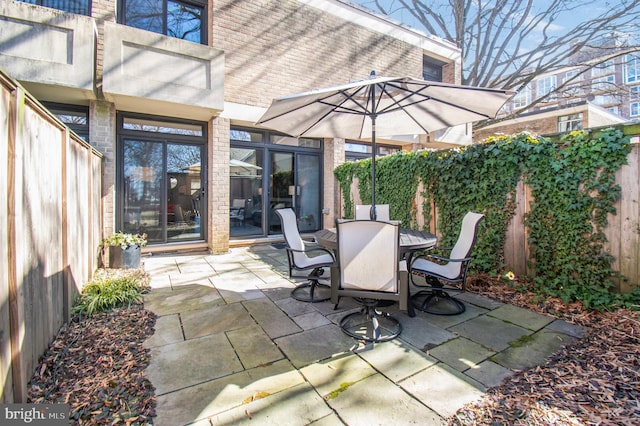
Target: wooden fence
[(50, 228), (623, 230)]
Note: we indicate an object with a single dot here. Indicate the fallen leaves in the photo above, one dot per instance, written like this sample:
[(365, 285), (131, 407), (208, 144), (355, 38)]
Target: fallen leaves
[(96, 365), (594, 381)]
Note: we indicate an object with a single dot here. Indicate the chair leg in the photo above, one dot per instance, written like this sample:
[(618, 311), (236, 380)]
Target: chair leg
[(436, 300), (369, 325), (312, 291)]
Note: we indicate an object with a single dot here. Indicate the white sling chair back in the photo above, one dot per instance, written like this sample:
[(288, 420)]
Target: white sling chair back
[(443, 274), (305, 256), (370, 271)]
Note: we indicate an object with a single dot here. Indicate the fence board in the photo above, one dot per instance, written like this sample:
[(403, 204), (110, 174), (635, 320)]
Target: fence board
[(628, 215), (6, 382), (51, 187)]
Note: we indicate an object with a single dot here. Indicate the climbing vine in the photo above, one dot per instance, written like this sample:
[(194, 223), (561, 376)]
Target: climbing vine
[(572, 181)]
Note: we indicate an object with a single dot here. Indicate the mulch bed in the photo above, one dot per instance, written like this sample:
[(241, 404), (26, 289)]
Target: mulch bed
[(97, 367)]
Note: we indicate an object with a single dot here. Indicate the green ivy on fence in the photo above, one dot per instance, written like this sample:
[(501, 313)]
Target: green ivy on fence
[(572, 182)]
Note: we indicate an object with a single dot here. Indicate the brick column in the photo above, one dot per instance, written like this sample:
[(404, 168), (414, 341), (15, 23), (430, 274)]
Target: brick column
[(102, 135), (333, 157), (218, 185)]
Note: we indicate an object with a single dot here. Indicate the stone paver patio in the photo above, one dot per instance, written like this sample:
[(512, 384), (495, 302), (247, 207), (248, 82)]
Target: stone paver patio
[(232, 347)]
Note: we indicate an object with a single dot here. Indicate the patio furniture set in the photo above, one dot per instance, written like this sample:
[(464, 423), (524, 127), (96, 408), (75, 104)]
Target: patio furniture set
[(374, 261)]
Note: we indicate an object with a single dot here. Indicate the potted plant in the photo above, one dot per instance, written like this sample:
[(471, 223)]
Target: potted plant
[(124, 249)]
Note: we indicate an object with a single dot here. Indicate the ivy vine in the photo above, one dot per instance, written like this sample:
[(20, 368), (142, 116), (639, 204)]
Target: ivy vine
[(572, 181)]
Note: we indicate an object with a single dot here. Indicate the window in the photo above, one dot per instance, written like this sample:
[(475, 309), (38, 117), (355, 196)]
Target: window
[(355, 151), (180, 19), (632, 69), (567, 123), (613, 110), (545, 86), (75, 117), (604, 84), (573, 74), (523, 98), (431, 69), (81, 7), (605, 100), (607, 67), (634, 110)]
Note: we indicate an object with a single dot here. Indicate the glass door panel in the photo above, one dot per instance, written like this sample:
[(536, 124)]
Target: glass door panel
[(143, 182), (184, 192), (307, 198), (295, 182), (163, 190), (282, 187), (245, 203)]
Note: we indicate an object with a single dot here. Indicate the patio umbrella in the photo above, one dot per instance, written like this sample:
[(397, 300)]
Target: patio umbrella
[(382, 106)]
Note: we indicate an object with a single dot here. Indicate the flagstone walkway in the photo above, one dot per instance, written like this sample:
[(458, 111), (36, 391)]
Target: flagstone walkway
[(232, 347)]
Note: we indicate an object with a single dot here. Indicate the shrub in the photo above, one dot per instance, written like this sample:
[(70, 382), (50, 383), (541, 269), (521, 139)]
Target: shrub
[(111, 289)]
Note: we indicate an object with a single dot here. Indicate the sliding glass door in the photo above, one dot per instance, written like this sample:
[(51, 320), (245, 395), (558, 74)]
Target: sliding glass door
[(295, 182), (161, 180)]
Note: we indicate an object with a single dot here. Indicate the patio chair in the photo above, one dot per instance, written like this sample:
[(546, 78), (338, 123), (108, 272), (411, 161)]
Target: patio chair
[(236, 216), (371, 271), (300, 256), (363, 212), (445, 274)]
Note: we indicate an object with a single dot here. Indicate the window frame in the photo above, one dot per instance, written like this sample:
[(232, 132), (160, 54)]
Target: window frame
[(59, 110), (522, 98), (204, 25), (632, 62), (570, 122), (51, 5), (550, 83)]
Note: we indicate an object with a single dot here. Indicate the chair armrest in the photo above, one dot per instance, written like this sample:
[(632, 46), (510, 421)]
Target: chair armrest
[(444, 259), (311, 250)]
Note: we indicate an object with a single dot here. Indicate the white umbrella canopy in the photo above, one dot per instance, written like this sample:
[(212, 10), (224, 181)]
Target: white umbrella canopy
[(382, 106)]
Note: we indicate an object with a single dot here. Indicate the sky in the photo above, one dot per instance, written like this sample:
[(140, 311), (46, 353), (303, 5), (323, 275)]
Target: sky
[(568, 20)]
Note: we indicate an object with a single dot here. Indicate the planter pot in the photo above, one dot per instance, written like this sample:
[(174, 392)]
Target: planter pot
[(124, 259)]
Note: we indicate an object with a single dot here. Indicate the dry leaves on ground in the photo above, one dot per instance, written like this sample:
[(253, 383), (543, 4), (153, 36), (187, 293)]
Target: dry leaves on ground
[(595, 381), (97, 367)]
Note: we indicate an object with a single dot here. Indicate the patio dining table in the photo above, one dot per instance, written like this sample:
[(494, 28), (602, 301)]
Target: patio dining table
[(411, 240)]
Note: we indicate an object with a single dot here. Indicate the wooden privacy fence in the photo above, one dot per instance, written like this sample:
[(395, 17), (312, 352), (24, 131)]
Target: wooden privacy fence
[(622, 232), (50, 229)]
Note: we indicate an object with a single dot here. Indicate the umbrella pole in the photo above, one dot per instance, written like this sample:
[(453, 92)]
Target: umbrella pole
[(373, 167)]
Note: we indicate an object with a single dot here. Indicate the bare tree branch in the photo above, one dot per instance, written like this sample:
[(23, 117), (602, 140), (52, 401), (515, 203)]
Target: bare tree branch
[(508, 43)]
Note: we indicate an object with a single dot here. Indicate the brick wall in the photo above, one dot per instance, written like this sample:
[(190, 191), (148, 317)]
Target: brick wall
[(274, 48)]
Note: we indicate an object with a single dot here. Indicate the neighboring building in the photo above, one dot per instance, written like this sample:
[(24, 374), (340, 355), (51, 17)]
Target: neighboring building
[(595, 80), (169, 96), (596, 75), (582, 115)]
